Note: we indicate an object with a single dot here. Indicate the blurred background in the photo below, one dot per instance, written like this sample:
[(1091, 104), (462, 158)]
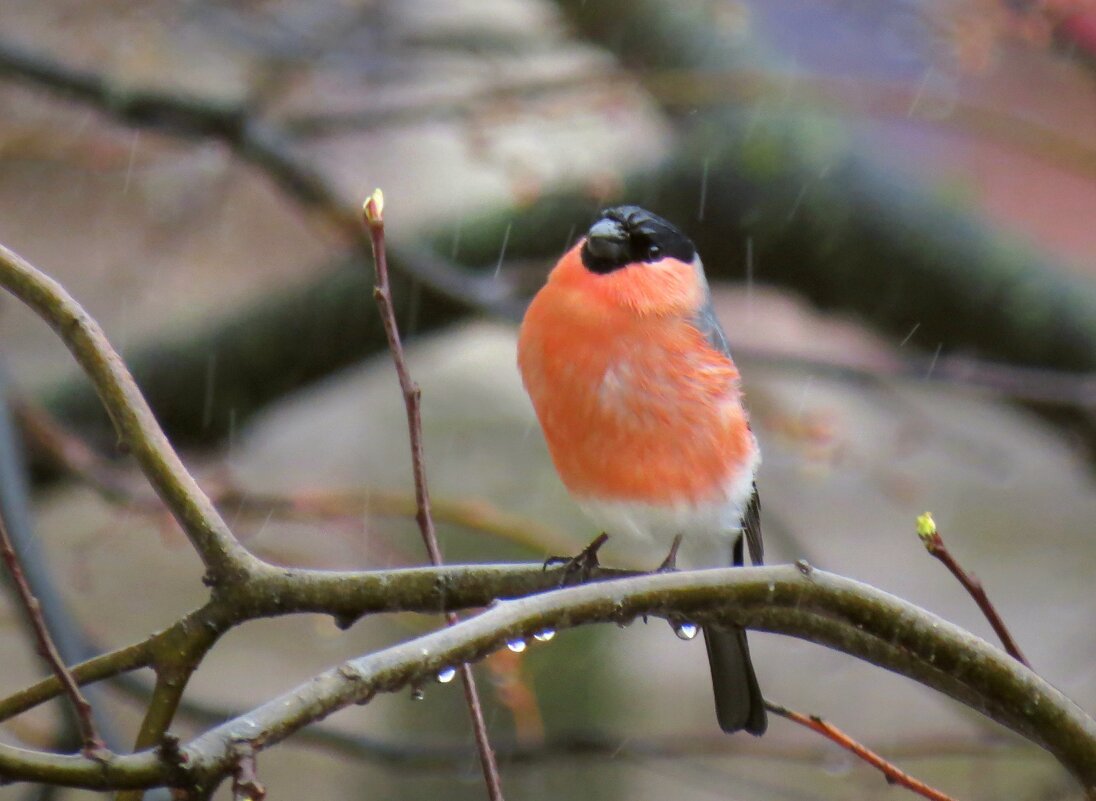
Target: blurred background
[(895, 204)]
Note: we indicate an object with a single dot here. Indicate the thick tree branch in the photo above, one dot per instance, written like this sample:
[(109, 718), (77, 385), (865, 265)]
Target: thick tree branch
[(829, 610), (137, 429), (345, 595)]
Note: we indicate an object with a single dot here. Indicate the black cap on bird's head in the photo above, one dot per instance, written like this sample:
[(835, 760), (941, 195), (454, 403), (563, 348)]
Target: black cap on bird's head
[(625, 235)]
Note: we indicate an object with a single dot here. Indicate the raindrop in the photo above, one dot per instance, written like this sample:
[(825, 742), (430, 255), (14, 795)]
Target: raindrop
[(837, 765), (445, 675), (417, 694), (703, 191), (210, 383), (517, 646), (909, 336), (685, 630), (935, 357), (544, 636), (343, 622), (749, 278), (502, 250), (132, 160)]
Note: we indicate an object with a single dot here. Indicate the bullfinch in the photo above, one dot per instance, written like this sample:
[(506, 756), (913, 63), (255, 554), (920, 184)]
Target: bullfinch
[(640, 403)]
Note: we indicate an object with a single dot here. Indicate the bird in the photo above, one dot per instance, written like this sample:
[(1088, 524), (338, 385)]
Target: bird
[(641, 406)]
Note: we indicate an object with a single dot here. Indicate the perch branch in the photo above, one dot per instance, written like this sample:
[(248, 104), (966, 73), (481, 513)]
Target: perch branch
[(829, 610), (934, 544)]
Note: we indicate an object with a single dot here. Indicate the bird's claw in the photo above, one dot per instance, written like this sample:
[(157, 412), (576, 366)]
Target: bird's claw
[(669, 564), (578, 569)]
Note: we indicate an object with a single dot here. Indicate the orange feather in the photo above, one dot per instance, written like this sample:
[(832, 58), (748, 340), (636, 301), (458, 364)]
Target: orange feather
[(635, 404)]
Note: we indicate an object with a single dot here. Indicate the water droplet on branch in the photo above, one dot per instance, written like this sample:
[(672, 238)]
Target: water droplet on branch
[(445, 675), (685, 630)]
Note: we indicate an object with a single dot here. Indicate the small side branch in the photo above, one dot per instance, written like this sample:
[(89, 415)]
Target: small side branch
[(934, 544), (94, 747), (893, 774), (223, 556), (245, 776), (412, 397)]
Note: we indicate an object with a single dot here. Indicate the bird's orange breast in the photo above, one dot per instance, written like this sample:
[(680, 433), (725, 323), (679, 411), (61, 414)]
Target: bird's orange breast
[(634, 407)]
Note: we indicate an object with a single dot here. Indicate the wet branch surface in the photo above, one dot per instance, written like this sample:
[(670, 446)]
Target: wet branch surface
[(820, 607)]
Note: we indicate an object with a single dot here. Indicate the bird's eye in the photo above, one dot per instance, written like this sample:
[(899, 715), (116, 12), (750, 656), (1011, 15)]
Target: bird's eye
[(653, 252)]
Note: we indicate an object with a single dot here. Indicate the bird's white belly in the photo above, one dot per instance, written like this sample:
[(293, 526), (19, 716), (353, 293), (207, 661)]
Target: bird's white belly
[(660, 522)]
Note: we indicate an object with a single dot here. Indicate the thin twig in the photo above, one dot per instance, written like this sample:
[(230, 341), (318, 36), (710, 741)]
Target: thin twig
[(94, 747), (892, 774), (412, 397), (934, 544), (245, 777)]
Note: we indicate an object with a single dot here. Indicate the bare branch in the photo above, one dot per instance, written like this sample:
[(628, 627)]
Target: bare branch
[(132, 657), (245, 778), (892, 774), (94, 747), (225, 559), (829, 610), (581, 743), (412, 397), (934, 544)]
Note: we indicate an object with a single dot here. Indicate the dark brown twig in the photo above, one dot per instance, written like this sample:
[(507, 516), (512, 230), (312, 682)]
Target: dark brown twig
[(892, 774), (934, 544), (245, 778), (94, 747), (412, 396)]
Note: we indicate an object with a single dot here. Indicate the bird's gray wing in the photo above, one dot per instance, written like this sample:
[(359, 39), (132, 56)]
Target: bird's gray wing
[(708, 324), (751, 527)]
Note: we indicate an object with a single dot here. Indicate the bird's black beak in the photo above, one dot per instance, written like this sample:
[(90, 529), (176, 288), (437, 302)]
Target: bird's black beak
[(607, 245)]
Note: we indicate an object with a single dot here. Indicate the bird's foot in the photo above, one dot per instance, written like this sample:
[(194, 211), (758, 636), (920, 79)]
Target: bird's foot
[(669, 564), (578, 569)]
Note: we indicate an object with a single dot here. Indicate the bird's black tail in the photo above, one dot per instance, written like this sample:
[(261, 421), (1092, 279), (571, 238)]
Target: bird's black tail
[(738, 701)]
